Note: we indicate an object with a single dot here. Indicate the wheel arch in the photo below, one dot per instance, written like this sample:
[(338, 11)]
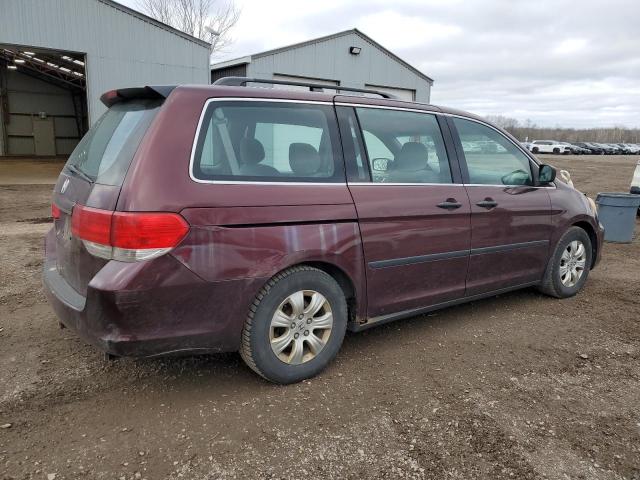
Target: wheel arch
[(587, 227), (344, 280)]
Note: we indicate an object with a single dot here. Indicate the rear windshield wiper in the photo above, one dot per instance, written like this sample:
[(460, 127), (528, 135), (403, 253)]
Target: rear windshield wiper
[(80, 173)]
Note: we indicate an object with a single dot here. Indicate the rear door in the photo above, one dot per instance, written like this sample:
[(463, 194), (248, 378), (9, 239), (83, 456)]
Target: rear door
[(510, 217), (413, 211)]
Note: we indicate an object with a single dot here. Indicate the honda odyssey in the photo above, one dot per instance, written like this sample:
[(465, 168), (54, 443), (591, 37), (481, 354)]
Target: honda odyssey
[(233, 218)]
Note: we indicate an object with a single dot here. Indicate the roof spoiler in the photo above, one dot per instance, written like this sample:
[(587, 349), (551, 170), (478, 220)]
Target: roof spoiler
[(114, 96), (313, 87)]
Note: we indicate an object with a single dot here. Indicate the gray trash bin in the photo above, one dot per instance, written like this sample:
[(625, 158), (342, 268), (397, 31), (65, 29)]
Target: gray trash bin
[(617, 213)]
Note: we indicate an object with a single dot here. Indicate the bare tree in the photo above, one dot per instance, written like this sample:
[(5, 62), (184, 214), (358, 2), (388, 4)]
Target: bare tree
[(209, 20), (503, 121), (528, 130)]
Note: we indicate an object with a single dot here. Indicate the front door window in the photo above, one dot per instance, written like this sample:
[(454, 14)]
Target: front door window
[(491, 158)]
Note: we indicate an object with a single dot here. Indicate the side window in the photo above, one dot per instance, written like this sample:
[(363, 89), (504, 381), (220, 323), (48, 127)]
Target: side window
[(264, 141), (404, 147), (375, 147), (491, 158)]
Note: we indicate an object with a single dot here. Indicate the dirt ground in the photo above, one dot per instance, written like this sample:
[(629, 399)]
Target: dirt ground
[(519, 386)]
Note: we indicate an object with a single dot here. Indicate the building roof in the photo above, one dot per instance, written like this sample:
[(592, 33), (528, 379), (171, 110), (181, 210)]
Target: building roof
[(153, 21), (247, 59)]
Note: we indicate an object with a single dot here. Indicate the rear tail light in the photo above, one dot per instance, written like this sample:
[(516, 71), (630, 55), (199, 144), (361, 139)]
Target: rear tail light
[(127, 236), (55, 211)]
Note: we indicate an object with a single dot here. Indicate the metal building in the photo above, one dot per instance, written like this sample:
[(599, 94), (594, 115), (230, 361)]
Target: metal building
[(58, 56), (348, 59)]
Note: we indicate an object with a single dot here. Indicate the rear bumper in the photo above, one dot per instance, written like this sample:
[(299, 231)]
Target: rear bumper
[(151, 308)]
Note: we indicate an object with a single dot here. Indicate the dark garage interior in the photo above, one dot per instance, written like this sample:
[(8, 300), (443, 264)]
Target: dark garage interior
[(43, 101)]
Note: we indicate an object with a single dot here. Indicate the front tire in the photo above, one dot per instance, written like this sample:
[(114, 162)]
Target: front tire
[(568, 267), (295, 325)]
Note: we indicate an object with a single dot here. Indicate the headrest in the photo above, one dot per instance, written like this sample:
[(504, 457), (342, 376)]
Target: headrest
[(413, 156), (251, 151), (304, 159)]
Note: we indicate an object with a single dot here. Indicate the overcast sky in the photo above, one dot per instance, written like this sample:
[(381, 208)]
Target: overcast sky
[(557, 62)]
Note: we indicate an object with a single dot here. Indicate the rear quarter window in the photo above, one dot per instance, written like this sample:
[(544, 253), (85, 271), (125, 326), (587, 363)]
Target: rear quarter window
[(267, 142)]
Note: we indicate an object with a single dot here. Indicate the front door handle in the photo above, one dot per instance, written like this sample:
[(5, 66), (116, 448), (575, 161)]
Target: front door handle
[(449, 204), (487, 203)]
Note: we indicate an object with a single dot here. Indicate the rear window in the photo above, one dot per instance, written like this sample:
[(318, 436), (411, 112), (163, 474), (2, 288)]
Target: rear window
[(268, 141), (105, 152)]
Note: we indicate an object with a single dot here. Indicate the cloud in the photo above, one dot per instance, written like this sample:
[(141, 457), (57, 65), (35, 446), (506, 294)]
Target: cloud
[(570, 46), (556, 62), (397, 31)]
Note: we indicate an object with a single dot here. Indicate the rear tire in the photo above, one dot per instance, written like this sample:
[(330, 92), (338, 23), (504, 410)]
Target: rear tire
[(568, 267), (295, 325)]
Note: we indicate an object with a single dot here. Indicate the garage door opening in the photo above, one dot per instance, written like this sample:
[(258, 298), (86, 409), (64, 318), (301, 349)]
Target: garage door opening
[(43, 101)]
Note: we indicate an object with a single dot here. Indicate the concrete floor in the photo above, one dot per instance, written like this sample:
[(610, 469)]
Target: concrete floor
[(32, 171)]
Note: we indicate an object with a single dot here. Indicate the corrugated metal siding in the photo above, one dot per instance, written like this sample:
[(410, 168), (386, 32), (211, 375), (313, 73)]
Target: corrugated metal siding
[(234, 71), (330, 59), (122, 49)]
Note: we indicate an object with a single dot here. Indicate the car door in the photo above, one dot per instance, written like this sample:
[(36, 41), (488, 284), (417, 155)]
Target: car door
[(510, 216), (412, 209)]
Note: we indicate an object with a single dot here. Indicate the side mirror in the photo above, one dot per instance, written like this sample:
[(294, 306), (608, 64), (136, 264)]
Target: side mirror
[(546, 174), (380, 164)]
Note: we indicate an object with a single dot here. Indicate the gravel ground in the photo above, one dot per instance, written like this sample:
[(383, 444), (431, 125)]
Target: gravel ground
[(518, 386)]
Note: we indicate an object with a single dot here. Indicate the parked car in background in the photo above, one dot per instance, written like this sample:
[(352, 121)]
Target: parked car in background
[(590, 147), (629, 149), (549, 146), (583, 150), (574, 149), (601, 148), (624, 150), (220, 217), (635, 148), (608, 149), (617, 150)]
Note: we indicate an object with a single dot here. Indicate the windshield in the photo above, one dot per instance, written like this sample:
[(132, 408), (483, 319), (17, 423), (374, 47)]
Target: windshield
[(105, 152)]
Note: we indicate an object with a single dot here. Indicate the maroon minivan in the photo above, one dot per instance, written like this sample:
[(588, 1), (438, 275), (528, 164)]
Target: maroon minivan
[(226, 217)]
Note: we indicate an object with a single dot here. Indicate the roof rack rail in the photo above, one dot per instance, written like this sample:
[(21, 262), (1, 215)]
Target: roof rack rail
[(313, 87)]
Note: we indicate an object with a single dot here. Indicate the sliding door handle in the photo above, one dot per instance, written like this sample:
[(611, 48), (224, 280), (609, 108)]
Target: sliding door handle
[(487, 203), (449, 204)]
